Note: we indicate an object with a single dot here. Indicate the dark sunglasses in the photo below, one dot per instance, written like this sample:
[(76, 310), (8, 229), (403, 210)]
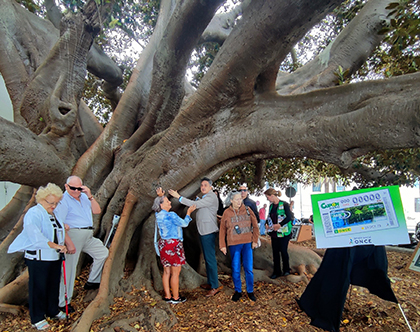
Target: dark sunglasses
[(76, 188), (243, 189)]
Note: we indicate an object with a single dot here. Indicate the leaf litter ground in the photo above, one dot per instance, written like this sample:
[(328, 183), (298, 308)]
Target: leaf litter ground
[(275, 309)]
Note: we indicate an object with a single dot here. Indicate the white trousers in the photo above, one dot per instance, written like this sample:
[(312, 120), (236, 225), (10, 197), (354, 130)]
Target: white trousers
[(84, 242)]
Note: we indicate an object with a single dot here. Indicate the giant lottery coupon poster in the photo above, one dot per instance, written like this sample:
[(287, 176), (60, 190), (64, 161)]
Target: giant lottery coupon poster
[(372, 216)]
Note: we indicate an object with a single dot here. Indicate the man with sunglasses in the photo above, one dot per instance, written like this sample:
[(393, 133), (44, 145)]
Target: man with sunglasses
[(75, 211), (248, 201)]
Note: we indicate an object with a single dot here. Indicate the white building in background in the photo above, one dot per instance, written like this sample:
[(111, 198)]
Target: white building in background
[(7, 189)]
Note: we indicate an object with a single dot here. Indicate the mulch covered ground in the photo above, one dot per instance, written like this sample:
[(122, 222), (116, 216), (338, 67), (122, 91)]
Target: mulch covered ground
[(274, 310)]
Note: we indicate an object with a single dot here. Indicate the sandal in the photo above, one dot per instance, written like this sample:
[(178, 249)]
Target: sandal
[(42, 325)]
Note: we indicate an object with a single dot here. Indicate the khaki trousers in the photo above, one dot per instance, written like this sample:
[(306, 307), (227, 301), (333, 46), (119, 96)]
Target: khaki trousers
[(84, 242)]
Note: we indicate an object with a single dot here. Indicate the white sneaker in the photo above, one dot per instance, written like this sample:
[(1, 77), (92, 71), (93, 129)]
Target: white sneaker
[(42, 325), (61, 315)]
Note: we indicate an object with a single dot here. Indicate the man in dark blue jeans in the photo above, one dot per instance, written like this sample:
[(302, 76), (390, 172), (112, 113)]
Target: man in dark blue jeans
[(207, 228)]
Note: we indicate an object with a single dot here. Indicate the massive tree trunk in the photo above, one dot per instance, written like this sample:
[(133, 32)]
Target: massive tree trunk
[(158, 137)]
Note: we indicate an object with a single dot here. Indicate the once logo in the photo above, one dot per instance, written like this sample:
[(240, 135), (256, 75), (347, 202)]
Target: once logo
[(362, 241)]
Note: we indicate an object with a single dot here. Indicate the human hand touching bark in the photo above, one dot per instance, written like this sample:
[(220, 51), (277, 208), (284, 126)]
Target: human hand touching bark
[(174, 193), (160, 192)]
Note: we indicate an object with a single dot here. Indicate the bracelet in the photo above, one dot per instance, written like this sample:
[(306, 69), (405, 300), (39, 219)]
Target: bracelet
[(90, 198)]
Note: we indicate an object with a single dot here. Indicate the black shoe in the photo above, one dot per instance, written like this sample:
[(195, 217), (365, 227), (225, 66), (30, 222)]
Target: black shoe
[(179, 300), (167, 300), (236, 296), (285, 274), (252, 297), (91, 285), (70, 308), (274, 276)]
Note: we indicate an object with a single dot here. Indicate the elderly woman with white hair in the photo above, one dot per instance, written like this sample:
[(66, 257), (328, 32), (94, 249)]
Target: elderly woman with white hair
[(239, 228), (42, 241), (171, 249)]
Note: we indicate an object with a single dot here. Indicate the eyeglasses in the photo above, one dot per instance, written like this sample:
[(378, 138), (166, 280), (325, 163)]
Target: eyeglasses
[(76, 188), (52, 204), (243, 190)]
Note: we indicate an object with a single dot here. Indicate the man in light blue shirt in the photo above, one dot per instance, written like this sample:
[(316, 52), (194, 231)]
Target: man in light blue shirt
[(75, 210)]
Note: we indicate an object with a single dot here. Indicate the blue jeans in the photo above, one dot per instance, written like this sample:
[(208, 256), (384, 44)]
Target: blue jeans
[(236, 252), (262, 227), (209, 252)]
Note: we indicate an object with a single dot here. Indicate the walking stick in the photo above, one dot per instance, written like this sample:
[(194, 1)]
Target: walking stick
[(115, 221), (63, 259)]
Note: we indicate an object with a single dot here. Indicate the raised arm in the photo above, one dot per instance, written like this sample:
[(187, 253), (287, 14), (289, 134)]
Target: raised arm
[(207, 201)]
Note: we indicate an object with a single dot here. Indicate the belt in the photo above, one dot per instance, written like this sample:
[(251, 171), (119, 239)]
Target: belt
[(36, 253), (90, 227)]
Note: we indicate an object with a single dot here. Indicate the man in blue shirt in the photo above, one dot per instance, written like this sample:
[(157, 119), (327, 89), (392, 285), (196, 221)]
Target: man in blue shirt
[(75, 211)]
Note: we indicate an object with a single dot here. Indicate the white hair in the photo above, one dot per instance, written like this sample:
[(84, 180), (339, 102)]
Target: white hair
[(229, 197), (73, 177)]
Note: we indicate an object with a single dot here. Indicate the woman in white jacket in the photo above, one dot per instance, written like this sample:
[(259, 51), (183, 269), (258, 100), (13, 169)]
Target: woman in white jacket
[(42, 241)]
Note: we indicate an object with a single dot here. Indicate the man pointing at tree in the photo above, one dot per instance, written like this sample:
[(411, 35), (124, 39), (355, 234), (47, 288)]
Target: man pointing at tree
[(207, 228)]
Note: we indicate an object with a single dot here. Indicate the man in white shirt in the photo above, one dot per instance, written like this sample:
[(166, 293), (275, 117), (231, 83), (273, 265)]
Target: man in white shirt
[(75, 211)]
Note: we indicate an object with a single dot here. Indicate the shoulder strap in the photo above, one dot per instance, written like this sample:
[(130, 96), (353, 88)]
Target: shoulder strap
[(156, 239), (247, 211)]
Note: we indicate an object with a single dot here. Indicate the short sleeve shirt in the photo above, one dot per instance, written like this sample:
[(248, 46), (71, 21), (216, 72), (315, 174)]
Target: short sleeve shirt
[(74, 213)]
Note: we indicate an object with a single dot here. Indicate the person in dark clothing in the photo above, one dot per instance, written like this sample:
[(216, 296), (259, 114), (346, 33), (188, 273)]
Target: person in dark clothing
[(248, 201), (220, 208), (324, 297), (279, 222)]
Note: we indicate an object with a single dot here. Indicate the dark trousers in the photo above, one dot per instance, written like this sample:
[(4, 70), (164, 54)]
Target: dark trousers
[(208, 243), (279, 246), (44, 285)]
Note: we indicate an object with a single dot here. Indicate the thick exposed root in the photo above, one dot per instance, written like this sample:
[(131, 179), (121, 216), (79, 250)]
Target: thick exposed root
[(15, 292), (145, 317), (100, 305), (10, 267), (11, 309)]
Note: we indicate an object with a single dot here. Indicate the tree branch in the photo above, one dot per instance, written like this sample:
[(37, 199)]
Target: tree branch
[(349, 50), (232, 76), (10, 214), (19, 163), (185, 27), (129, 110), (115, 258), (53, 13), (334, 125), (222, 24)]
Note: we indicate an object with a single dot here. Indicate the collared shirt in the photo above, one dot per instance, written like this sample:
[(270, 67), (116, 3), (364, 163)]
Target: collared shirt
[(170, 225), (76, 214), (37, 232)]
